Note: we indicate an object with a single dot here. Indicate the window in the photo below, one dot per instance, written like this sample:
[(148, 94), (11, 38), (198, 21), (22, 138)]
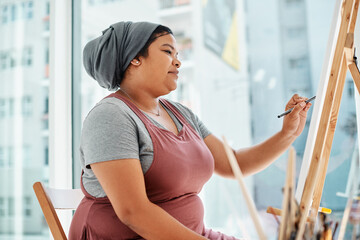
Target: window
[(14, 12), (47, 54), (27, 9), (27, 106), (47, 12), (4, 56), (46, 105), (11, 107), (45, 122), (46, 154), (350, 88), (2, 108), (297, 63), (11, 209), (17, 11), (27, 206), (12, 59), (2, 207), (4, 14), (27, 56)]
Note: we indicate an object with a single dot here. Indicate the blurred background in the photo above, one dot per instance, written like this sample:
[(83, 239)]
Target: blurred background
[(242, 60)]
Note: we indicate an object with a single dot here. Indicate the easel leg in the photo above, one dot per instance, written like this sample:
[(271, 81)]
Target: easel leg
[(328, 140), (287, 216)]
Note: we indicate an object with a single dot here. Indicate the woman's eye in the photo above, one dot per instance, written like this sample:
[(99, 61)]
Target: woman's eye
[(167, 51)]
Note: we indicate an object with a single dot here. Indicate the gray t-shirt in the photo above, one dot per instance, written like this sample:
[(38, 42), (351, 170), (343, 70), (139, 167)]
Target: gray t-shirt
[(113, 131)]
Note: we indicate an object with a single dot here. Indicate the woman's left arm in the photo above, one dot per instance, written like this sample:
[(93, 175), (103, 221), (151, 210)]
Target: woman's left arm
[(258, 157)]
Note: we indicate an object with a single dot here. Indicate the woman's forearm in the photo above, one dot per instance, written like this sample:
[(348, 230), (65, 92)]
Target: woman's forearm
[(152, 222), (258, 157)]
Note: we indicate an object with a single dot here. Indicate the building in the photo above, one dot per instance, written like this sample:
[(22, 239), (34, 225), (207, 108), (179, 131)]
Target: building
[(23, 113)]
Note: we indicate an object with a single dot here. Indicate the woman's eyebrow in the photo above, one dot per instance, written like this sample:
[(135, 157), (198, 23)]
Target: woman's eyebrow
[(166, 44)]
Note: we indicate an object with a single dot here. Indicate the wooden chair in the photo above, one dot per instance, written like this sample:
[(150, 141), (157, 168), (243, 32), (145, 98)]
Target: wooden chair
[(51, 199)]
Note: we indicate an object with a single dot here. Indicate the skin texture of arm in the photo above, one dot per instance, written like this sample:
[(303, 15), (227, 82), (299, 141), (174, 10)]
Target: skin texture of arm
[(132, 205), (258, 157)]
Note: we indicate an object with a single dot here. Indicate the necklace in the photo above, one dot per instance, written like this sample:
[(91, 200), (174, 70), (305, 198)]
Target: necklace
[(132, 100)]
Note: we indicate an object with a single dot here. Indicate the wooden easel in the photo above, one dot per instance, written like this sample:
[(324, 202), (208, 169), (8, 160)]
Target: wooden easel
[(343, 59)]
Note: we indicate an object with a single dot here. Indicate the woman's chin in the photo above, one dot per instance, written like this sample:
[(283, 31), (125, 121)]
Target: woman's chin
[(173, 87)]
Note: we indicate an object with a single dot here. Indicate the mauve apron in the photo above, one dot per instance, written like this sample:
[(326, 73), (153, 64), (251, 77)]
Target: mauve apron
[(182, 164)]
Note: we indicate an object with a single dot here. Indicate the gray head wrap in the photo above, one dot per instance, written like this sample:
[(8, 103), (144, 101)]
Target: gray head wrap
[(107, 57)]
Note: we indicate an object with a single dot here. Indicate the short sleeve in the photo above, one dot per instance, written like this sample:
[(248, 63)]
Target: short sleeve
[(108, 133)]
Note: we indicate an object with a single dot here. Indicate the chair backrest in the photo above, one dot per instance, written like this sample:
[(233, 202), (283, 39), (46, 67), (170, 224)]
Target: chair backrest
[(51, 199)]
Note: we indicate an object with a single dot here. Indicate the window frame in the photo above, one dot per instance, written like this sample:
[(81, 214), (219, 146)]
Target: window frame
[(60, 101)]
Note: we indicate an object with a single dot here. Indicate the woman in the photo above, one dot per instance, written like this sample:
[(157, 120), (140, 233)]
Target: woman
[(144, 158)]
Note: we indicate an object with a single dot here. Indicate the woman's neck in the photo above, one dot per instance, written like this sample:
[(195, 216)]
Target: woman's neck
[(142, 100)]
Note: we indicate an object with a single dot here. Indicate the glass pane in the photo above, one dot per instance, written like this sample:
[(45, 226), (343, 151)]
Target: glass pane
[(238, 72), (23, 117)]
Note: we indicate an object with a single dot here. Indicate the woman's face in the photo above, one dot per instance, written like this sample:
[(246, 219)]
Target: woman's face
[(161, 65)]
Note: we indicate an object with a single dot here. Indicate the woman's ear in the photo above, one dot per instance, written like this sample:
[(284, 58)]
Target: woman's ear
[(135, 62)]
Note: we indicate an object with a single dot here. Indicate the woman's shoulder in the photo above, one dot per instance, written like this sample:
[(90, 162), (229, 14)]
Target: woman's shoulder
[(109, 110)]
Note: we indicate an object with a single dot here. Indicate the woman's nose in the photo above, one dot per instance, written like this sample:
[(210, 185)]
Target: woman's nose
[(177, 62)]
